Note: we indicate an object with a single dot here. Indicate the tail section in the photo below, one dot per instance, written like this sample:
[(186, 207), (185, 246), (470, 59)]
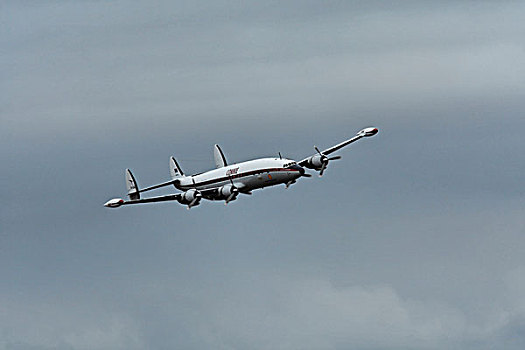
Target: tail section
[(131, 185), (175, 170), (220, 159)]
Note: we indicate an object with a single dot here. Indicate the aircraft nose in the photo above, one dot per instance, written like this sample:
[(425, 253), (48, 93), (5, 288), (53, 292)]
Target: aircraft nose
[(299, 168)]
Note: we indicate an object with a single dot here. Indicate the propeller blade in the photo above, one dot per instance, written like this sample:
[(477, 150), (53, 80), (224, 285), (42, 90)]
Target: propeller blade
[(194, 202), (323, 167), (306, 175), (232, 196), (335, 158), (317, 149)]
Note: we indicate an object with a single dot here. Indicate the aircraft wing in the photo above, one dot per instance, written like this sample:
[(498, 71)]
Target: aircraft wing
[(117, 202), (320, 160), (209, 193), (363, 133)]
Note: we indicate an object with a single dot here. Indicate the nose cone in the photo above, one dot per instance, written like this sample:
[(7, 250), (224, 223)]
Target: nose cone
[(298, 168)]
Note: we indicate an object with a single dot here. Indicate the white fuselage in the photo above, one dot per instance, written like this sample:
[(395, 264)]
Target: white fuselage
[(246, 176)]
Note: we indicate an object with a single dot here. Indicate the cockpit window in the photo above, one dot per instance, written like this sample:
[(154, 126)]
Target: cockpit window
[(287, 165)]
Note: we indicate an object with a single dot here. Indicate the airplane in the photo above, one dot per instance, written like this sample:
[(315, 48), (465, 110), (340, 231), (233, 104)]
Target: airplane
[(226, 182)]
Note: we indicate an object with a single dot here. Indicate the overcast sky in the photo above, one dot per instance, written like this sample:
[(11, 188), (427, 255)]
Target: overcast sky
[(414, 240)]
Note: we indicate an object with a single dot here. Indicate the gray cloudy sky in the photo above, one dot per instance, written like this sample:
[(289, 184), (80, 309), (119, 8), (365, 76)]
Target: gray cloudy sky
[(415, 240)]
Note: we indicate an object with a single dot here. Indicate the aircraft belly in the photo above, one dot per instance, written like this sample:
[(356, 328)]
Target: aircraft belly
[(246, 182), (273, 178)]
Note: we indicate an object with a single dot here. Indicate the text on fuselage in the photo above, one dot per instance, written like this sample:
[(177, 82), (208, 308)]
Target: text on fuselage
[(232, 171)]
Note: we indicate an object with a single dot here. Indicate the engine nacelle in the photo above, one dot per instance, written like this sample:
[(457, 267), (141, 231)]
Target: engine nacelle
[(191, 197), (320, 161), (315, 161), (228, 192)]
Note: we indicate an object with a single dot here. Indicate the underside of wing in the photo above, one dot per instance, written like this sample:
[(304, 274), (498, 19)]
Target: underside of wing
[(190, 197), (227, 192), (117, 202)]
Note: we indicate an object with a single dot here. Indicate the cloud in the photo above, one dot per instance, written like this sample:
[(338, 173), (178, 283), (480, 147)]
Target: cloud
[(129, 66), (313, 314), (54, 323), (258, 311)]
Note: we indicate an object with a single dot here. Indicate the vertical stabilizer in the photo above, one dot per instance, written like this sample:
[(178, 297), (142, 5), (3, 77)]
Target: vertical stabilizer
[(220, 159), (131, 185), (175, 170)]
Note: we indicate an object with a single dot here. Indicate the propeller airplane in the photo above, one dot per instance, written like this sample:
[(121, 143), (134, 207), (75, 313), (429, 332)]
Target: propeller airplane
[(226, 182)]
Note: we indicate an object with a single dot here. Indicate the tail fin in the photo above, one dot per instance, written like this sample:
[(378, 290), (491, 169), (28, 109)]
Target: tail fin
[(220, 159), (175, 170), (131, 185)]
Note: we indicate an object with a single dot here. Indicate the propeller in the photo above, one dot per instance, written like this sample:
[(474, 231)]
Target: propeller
[(235, 192), (198, 195), (324, 160)]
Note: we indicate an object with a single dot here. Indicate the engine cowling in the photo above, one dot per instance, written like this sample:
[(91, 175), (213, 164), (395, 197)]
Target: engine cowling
[(319, 161), (315, 161), (228, 192), (191, 197)]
